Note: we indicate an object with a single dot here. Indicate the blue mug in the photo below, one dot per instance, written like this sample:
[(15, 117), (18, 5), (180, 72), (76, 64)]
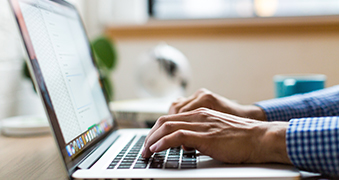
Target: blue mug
[(287, 85)]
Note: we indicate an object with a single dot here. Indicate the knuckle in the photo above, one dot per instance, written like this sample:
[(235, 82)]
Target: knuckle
[(182, 110), (174, 104), (162, 120), (201, 110), (165, 140), (168, 126), (176, 109), (181, 134), (209, 126), (208, 97)]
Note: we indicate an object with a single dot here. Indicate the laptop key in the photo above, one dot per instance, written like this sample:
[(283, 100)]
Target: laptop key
[(158, 160), (188, 163), (110, 167), (188, 155), (173, 159), (124, 167), (188, 166), (189, 159), (156, 165), (140, 166), (131, 155), (126, 163), (172, 165)]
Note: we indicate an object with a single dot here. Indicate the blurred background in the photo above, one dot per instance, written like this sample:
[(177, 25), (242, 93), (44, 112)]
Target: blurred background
[(234, 47)]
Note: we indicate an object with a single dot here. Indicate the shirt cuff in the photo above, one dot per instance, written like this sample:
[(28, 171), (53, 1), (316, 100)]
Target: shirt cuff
[(284, 109), (313, 144)]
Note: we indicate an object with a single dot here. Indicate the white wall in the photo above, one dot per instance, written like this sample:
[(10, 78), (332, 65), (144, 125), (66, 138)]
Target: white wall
[(238, 66), (17, 96)]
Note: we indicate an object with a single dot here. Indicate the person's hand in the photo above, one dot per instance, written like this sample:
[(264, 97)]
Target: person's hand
[(224, 137), (207, 99)]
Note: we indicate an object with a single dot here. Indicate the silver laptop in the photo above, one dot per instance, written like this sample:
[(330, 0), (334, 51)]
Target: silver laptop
[(86, 133)]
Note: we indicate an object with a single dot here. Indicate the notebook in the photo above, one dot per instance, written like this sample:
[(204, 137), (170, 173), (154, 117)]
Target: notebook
[(86, 133)]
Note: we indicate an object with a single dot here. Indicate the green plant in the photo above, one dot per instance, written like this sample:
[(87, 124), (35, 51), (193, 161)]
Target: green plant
[(105, 56)]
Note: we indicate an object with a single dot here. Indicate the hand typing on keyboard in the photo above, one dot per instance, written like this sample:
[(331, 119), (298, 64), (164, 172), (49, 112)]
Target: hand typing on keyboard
[(225, 137), (174, 158)]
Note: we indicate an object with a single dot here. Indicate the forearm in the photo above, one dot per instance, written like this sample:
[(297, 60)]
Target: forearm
[(316, 104)]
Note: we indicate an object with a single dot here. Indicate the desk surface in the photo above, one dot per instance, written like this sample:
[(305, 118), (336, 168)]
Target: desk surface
[(30, 158), (35, 158)]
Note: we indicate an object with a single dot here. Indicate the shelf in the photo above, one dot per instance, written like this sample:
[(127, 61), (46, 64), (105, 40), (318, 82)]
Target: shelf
[(217, 27)]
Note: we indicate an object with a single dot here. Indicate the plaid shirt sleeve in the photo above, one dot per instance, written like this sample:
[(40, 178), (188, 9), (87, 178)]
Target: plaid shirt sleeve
[(312, 138), (315, 104), (313, 144)]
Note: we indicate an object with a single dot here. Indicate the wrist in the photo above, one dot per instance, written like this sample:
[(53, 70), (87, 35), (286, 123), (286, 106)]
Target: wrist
[(273, 143), (254, 112)]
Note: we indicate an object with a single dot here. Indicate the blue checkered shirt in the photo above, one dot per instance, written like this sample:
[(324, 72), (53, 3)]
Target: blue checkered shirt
[(312, 138)]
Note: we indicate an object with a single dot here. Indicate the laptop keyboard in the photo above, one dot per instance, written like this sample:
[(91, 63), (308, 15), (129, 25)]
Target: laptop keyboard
[(173, 158)]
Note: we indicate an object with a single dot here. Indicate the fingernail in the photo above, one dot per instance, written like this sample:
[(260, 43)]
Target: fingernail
[(153, 148)]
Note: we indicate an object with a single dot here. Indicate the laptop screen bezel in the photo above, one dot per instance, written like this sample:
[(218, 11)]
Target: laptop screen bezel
[(40, 85)]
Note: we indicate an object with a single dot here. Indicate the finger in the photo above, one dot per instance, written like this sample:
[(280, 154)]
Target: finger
[(185, 117), (176, 106), (181, 137), (170, 127), (194, 104), (175, 117)]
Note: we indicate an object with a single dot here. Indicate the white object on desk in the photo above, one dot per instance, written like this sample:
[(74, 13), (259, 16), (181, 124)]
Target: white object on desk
[(140, 111), (25, 125)]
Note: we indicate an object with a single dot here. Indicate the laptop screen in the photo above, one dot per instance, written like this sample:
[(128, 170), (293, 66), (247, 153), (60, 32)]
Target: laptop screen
[(64, 70)]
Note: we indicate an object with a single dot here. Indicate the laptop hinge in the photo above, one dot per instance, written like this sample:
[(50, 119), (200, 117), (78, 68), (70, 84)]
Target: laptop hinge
[(103, 147)]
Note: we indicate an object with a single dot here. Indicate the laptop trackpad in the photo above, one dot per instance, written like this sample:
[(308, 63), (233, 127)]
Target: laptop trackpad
[(206, 162)]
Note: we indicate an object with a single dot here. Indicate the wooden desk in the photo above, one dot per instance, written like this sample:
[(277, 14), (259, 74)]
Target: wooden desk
[(30, 158), (37, 158)]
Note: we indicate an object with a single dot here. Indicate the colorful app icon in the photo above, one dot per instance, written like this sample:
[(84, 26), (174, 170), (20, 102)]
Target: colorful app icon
[(93, 135), (95, 131), (100, 129), (75, 145), (78, 144), (106, 126), (88, 136), (72, 148), (81, 142), (90, 132), (86, 139), (69, 151), (83, 137)]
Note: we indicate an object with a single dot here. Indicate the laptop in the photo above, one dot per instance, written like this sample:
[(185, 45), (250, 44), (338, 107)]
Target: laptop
[(86, 133)]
